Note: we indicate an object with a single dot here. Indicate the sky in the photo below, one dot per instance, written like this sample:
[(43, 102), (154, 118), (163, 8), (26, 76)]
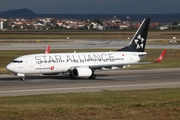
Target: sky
[(92, 6)]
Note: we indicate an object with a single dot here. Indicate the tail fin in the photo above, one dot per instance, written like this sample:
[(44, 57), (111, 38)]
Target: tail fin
[(138, 42), (47, 49), (161, 56)]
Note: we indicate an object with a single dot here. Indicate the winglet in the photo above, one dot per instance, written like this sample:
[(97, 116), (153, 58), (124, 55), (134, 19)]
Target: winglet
[(47, 49), (161, 56)]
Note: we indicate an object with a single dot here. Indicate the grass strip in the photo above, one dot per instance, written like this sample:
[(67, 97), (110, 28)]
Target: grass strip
[(156, 104)]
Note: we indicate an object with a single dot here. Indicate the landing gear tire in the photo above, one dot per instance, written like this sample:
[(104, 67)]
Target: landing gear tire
[(71, 76), (22, 79), (93, 76)]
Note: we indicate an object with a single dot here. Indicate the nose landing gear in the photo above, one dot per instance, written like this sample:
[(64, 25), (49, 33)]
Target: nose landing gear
[(22, 76)]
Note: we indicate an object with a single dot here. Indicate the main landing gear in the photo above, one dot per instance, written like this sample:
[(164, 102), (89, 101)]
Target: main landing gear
[(93, 76), (71, 76)]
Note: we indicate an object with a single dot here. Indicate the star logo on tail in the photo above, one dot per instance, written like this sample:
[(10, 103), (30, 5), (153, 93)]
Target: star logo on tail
[(139, 42)]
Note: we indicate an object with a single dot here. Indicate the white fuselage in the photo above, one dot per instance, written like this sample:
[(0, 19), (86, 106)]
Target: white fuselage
[(64, 62)]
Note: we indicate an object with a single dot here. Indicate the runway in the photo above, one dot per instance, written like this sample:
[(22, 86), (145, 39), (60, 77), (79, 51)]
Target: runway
[(11, 85), (78, 44)]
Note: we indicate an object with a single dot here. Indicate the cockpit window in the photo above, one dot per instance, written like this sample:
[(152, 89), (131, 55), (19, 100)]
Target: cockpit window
[(17, 61)]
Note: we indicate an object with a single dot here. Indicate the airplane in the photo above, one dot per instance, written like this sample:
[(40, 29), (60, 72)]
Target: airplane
[(161, 56), (83, 64)]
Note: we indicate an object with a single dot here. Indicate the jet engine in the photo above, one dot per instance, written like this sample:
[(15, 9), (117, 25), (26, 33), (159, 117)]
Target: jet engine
[(81, 72)]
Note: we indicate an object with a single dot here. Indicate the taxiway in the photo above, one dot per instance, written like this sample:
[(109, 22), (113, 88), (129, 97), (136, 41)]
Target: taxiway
[(78, 44), (11, 85)]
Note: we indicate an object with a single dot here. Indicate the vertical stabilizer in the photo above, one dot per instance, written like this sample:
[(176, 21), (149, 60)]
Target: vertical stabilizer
[(138, 42)]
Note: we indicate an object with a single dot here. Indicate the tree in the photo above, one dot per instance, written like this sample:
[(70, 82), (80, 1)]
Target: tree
[(99, 21), (7, 24), (17, 27), (30, 27), (175, 23)]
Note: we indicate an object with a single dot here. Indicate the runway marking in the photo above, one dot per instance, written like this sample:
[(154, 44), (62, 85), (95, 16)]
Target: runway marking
[(90, 87)]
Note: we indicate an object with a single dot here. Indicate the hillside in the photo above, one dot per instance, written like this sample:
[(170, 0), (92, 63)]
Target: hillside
[(23, 11)]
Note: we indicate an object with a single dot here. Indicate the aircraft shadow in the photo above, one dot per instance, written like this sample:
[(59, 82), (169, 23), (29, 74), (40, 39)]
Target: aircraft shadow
[(49, 77)]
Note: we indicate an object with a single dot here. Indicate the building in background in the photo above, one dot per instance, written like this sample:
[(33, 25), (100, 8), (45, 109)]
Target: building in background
[(1, 25)]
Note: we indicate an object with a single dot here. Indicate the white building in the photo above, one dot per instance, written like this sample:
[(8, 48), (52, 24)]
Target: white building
[(1, 25)]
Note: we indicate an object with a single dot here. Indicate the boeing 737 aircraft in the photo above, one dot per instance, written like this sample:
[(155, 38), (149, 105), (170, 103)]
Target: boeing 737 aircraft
[(83, 64)]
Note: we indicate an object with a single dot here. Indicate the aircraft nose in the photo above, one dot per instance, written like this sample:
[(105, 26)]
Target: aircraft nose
[(10, 67)]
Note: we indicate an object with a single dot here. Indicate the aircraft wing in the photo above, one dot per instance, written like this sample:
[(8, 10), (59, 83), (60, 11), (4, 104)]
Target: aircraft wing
[(94, 67)]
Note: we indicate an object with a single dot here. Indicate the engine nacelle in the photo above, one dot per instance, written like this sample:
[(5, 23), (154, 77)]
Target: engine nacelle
[(81, 72)]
